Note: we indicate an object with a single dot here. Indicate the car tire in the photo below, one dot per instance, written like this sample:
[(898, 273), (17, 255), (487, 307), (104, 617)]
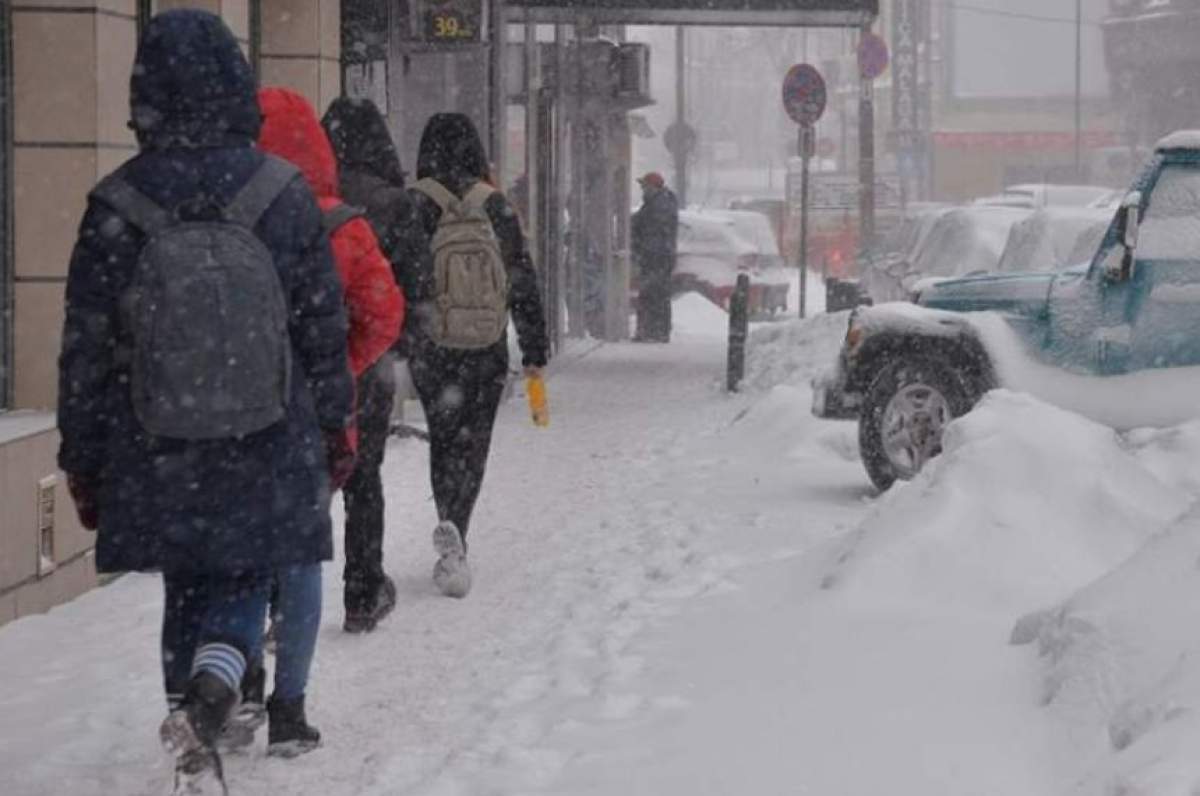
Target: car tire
[(903, 415)]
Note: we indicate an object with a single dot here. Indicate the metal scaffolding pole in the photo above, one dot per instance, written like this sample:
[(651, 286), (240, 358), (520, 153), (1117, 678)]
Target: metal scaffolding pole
[(497, 99), (681, 154), (866, 161)]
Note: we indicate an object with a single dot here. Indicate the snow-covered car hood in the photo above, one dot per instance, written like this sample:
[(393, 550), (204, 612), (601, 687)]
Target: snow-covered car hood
[(1024, 294)]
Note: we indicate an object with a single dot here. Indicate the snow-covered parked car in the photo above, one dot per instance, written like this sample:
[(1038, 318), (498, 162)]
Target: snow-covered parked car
[(905, 371), (716, 245), (957, 241), (1037, 195), (1054, 238)]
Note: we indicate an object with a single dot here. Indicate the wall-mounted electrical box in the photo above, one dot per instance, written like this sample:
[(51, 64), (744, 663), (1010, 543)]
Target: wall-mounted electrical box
[(45, 525)]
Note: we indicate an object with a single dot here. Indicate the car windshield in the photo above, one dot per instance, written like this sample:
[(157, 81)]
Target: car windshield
[(1172, 223)]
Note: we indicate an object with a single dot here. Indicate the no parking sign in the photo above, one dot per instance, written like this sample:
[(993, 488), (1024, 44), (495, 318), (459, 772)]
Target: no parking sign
[(804, 94)]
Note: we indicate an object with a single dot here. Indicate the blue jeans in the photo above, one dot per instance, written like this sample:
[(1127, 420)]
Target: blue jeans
[(209, 608), (297, 614)]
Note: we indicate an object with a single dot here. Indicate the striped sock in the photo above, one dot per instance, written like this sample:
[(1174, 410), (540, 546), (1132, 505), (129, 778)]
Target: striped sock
[(223, 661)]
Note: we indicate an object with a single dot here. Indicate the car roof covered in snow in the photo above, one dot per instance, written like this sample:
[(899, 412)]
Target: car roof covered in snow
[(1180, 139), (711, 232), (966, 240), (1052, 195)]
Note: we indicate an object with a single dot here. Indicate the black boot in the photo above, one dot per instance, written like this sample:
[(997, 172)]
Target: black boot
[(363, 619), (288, 732), (190, 733)]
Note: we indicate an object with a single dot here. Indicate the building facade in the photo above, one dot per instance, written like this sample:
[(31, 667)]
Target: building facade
[(64, 83), (1152, 54)]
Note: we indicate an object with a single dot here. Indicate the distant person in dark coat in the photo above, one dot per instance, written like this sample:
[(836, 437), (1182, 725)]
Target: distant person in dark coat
[(215, 516), (371, 178), (655, 231), (460, 390)]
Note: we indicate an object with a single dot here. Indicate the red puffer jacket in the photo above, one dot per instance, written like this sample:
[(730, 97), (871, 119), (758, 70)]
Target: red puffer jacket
[(375, 304)]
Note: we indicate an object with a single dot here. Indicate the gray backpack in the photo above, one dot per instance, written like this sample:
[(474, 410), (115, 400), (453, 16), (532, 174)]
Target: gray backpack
[(211, 353), (470, 307)]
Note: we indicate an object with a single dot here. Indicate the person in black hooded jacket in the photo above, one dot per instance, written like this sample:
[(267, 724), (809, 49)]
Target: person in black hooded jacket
[(461, 390), (371, 178), (215, 516)]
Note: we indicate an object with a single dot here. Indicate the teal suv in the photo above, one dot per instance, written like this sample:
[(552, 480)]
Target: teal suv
[(905, 371)]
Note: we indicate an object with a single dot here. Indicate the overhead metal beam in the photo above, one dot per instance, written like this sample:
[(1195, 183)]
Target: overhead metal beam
[(805, 13)]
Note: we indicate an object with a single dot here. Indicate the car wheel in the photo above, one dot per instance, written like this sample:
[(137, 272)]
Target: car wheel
[(904, 413)]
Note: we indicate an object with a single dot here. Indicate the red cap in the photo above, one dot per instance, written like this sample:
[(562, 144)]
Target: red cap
[(653, 178)]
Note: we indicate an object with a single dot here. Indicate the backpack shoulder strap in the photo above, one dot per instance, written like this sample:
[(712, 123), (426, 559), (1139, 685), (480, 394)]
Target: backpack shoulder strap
[(338, 216), (439, 193), (260, 191), (133, 205), (478, 195)]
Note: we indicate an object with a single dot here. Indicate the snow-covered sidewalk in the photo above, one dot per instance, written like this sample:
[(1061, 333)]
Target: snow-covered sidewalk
[(566, 545), (684, 592)]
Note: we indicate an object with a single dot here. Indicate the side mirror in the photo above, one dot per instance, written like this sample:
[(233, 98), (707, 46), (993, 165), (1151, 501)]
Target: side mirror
[(1118, 262), (1131, 209)]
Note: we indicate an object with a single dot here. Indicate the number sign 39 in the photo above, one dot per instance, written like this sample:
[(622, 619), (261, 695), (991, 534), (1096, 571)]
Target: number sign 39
[(449, 21)]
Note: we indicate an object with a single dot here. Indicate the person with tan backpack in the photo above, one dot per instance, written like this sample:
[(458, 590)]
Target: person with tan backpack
[(475, 273)]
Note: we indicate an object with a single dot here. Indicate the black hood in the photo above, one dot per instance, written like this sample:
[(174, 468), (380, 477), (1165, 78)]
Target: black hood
[(451, 152), (191, 85), (361, 140)]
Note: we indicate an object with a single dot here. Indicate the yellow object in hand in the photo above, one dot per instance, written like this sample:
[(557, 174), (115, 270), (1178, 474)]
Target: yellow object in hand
[(535, 389)]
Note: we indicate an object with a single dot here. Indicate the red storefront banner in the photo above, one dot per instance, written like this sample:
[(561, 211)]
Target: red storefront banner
[(1022, 142)]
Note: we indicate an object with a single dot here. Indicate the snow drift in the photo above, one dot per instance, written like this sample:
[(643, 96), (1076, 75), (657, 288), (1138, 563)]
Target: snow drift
[(794, 351), (1122, 656), (1006, 519)]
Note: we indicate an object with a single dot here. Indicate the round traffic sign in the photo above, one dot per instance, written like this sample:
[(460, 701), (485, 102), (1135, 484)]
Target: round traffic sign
[(680, 138), (804, 94), (872, 56)]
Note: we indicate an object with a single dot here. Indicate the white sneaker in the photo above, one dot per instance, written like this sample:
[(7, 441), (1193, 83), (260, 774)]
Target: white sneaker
[(451, 574), (198, 770)]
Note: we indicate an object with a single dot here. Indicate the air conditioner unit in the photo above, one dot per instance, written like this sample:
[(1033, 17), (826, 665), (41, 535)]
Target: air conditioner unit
[(633, 70)]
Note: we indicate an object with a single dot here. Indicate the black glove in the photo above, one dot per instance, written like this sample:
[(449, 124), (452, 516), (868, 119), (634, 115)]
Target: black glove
[(83, 491)]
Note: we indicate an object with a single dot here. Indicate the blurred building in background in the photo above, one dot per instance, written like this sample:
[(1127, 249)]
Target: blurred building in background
[(1153, 53)]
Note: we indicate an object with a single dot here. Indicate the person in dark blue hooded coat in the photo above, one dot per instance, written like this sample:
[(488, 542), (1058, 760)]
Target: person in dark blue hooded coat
[(215, 516)]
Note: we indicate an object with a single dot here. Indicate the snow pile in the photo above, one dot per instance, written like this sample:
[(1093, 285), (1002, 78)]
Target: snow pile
[(1004, 521), (1027, 505), (1160, 397), (793, 352), (1122, 656)]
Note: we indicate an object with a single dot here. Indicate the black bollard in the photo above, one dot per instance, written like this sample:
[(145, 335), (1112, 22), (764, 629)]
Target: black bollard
[(739, 330)]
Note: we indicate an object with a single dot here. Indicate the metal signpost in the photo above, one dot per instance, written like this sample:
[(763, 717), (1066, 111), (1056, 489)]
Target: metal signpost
[(872, 61), (804, 97)]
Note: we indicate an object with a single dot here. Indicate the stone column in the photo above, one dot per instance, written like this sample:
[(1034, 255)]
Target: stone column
[(301, 48), (70, 106)]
